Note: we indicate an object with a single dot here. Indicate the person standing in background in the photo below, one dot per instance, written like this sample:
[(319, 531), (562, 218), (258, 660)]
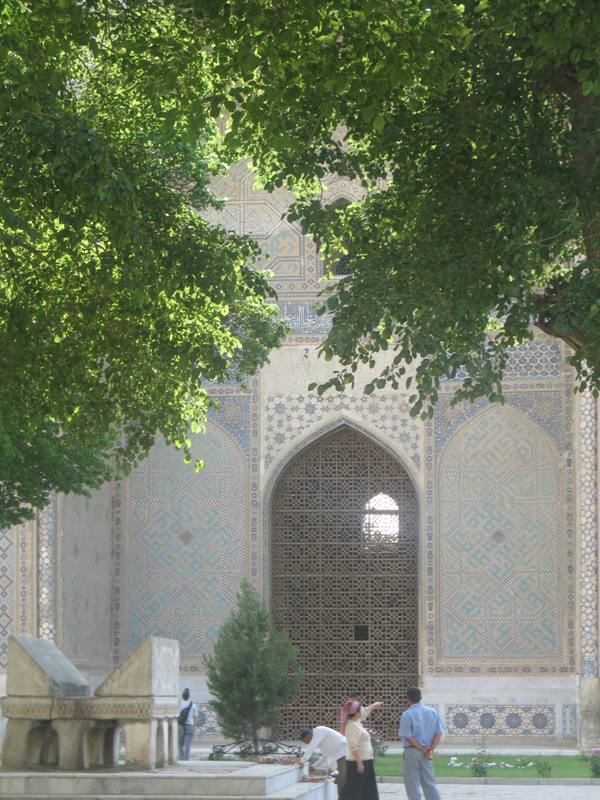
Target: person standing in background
[(188, 714), (421, 730), (360, 774)]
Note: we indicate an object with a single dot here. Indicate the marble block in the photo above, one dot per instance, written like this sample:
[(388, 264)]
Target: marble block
[(37, 668), (151, 670)]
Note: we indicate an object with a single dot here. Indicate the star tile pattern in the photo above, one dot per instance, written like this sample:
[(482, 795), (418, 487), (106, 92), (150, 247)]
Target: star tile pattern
[(288, 417)]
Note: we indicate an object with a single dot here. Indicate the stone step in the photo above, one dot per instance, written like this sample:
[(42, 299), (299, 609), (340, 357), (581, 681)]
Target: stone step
[(298, 791), (258, 782)]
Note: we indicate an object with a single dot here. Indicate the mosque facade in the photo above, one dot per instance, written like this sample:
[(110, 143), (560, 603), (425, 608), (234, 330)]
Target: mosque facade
[(458, 553)]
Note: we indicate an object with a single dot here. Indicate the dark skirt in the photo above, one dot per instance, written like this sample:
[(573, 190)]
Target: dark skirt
[(360, 785)]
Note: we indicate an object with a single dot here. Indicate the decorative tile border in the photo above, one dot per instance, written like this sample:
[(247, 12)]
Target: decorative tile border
[(255, 543), (118, 509), (588, 524), (8, 582), (249, 210), (569, 721), (492, 720), (26, 578), (46, 570), (303, 318), (18, 576)]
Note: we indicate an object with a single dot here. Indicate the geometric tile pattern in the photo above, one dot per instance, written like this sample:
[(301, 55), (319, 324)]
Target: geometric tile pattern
[(303, 318), (8, 606), (185, 549), (344, 567), (26, 622), (588, 523), (531, 360), (18, 582), (500, 544), (542, 407), (286, 252), (509, 720), (288, 417), (569, 721)]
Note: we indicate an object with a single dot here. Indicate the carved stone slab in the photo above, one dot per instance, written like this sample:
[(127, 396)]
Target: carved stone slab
[(37, 668), (152, 670)]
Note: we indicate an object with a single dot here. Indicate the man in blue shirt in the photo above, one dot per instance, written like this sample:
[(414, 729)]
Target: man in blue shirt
[(421, 730)]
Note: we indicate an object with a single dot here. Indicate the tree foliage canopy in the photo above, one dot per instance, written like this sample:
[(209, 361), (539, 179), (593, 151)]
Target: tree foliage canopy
[(118, 302), (476, 126), (253, 670)]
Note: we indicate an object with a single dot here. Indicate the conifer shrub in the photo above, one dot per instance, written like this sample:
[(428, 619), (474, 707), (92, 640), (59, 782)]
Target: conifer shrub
[(252, 672)]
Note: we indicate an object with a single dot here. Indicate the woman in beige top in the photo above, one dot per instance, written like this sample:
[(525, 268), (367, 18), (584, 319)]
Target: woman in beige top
[(360, 776)]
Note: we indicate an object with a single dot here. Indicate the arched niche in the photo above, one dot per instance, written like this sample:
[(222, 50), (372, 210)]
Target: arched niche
[(344, 575), (186, 548), (499, 549)]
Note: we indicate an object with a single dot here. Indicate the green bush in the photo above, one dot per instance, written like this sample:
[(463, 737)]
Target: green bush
[(252, 672), (543, 768), (595, 763), (478, 764)]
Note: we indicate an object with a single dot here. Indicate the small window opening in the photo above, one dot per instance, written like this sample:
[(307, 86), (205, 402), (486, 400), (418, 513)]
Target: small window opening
[(361, 633), (381, 521)]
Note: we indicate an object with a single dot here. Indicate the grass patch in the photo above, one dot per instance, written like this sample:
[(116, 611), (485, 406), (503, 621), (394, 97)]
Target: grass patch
[(562, 766)]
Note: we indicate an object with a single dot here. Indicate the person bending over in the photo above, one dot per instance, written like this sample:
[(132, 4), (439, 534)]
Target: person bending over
[(331, 745)]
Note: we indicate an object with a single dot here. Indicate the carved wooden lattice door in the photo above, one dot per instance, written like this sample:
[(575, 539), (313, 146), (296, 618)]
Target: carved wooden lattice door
[(344, 539)]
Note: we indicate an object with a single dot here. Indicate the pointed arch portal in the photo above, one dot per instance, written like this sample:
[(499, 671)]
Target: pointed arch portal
[(344, 577)]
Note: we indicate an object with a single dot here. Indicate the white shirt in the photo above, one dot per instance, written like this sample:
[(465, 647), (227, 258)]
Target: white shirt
[(193, 713), (330, 743)]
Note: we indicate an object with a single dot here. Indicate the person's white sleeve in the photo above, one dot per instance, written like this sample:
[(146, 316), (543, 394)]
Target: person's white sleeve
[(314, 744)]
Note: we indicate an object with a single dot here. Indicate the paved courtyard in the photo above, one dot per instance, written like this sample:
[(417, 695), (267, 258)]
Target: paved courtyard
[(456, 791)]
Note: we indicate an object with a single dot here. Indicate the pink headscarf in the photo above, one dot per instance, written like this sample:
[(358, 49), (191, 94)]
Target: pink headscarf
[(349, 707)]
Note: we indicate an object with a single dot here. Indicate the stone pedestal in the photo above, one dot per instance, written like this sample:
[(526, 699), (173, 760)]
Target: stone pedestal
[(141, 744), (173, 741), (53, 720), (95, 745), (14, 750), (72, 750)]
